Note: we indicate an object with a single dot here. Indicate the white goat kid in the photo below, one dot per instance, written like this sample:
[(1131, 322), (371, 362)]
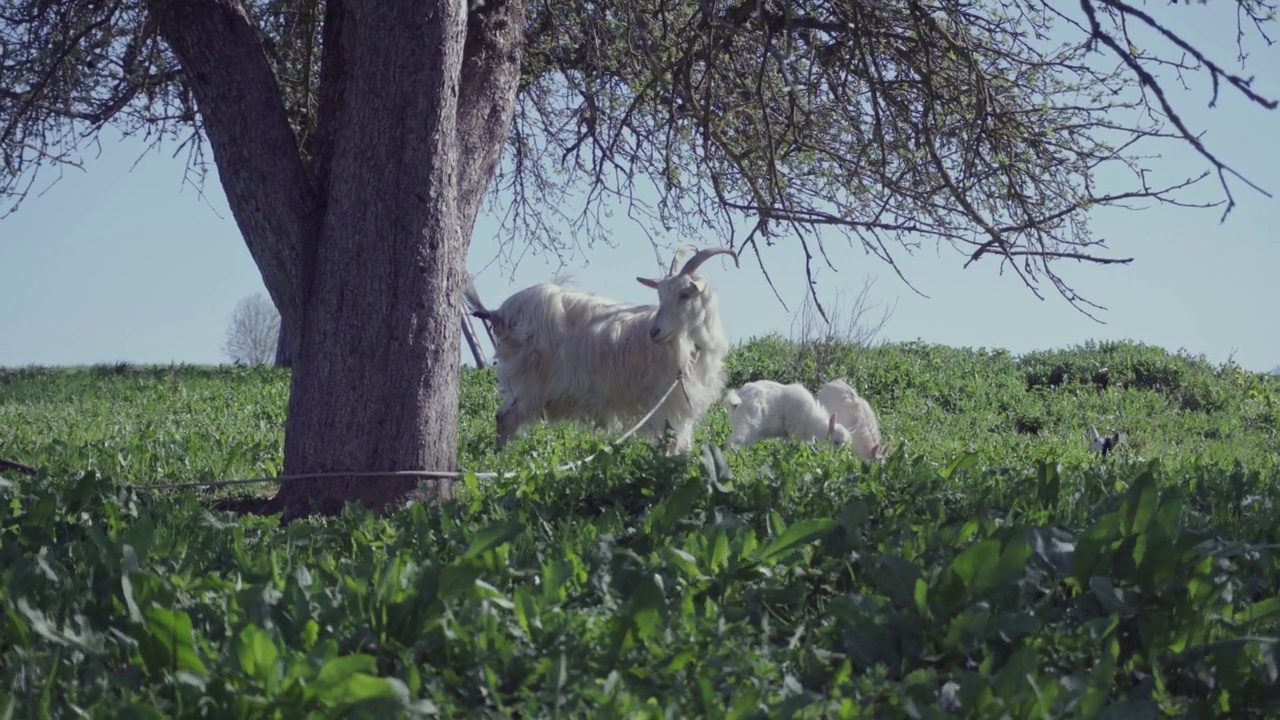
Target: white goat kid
[(567, 355), (855, 413), (769, 409)]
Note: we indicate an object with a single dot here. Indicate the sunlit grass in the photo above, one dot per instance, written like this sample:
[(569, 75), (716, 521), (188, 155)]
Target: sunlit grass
[(993, 567)]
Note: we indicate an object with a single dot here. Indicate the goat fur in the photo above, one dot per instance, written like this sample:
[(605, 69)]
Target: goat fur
[(569, 355), (855, 413), (769, 409)]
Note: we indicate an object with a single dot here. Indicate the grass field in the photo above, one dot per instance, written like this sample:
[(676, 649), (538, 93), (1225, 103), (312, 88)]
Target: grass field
[(993, 567)]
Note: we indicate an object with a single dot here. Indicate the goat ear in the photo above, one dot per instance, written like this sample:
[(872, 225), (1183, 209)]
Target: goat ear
[(831, 423), (648, 283), (697, 286)]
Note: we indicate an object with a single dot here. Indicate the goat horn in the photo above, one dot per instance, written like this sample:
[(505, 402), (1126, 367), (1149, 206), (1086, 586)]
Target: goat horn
[(676, 260), (703, 255)]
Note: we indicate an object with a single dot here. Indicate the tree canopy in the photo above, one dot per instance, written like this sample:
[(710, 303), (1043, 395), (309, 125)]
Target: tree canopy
[(982, 124), (990, 125)]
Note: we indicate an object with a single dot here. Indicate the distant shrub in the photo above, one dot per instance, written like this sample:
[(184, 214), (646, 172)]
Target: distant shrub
[(1190, 380)]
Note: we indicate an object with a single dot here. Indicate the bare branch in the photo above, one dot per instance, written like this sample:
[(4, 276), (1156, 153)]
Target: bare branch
[(1149, 82), (882, 123), (253, 331), (268, 186)]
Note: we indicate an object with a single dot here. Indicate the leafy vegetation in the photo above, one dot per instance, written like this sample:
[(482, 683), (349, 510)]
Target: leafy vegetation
[(992, 568)]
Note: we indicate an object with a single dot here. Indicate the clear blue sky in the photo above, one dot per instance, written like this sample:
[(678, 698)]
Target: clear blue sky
[(114, 264)]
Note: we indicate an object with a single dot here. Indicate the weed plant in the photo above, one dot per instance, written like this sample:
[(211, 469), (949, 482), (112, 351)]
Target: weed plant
[(993, 567)]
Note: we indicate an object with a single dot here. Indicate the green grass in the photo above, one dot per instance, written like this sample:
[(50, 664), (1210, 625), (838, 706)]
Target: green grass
[(992, 568)]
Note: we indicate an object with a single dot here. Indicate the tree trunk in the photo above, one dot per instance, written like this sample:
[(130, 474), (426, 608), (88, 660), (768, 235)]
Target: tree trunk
[(284, 357), (406, 145), (375, 384)]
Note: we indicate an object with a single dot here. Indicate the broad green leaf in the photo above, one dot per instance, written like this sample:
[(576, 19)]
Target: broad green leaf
[(1140, 504), (1113, 599), (554, 576), (126, 590), (678, 661), (799, 534), (457, 579), (978, 562), (719, 550), (139, 538), (687, 564), (84, 640), (719, 472), (336, 668), (347, 680), (256, 653), (169, 642), (681, 503), (967, 461), (492, 536), (897, 578), (526, 609), (310, 632), (1259, 611), (794, 704), (1013, 561), (1093, 549), (1048, 484)]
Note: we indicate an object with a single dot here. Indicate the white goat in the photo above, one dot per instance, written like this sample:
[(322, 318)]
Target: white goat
[(569, 355), (855, 413), (769, 409)]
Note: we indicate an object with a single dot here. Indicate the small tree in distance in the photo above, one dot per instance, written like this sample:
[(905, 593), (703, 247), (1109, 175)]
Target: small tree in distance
[(252, 334)]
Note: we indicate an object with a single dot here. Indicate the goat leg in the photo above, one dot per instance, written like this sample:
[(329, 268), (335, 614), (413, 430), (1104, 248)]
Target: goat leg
[(508, 420)]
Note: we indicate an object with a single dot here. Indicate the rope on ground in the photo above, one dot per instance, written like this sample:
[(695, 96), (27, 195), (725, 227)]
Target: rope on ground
[(432, 474), (16, 467)]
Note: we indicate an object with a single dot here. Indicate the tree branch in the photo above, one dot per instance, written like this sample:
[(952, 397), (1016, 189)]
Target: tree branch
[(886, 123), (490, 79), (267, 185), (1148, 81)]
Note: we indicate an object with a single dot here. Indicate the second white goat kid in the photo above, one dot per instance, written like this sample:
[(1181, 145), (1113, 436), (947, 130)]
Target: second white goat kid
[(769, 409), (855, 413), (564, 354)]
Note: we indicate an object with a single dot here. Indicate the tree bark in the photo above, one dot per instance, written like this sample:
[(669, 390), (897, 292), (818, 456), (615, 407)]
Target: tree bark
[(364, 250), (286, 345), (375, 384), (269, 191), (487, 102)]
